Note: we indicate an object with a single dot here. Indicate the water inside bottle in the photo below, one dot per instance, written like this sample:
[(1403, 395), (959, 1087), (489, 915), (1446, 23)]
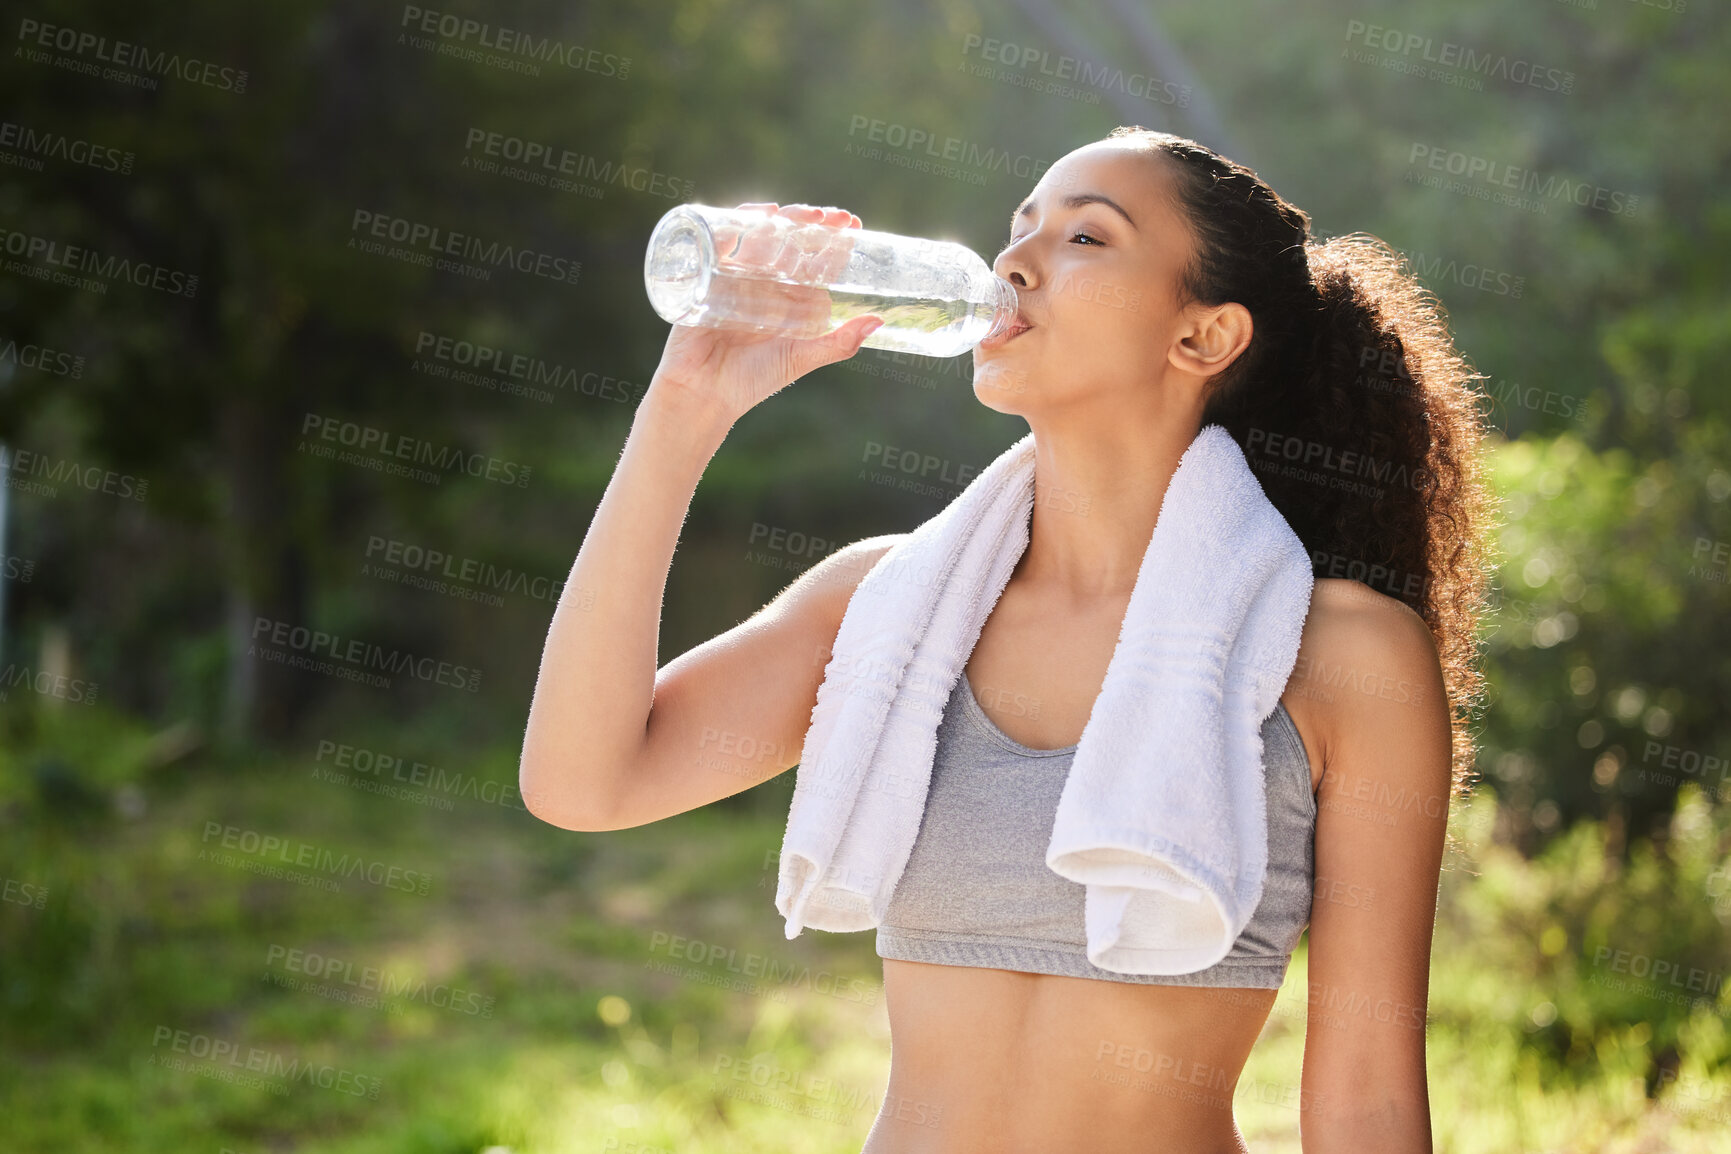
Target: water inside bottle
[(933, 326)]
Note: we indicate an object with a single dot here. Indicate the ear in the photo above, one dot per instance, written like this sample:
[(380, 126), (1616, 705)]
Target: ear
[(1211, 338)]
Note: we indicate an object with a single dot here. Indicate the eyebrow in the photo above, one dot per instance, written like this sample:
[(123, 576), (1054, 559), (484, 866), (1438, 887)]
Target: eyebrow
[(1074, 200)]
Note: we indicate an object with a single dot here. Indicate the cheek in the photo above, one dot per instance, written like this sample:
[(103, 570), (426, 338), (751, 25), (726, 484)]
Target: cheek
[(1108, 324), (1100, 306), (1121, 344)]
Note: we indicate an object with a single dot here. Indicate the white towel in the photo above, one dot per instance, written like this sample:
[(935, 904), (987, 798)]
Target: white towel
[(1163, 815)]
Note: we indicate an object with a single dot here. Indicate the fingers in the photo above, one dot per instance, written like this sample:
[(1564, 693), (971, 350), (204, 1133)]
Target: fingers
[(840, 217), (823, 257), (802, 255), (839, 345), (848, 338), (805, 213), (727, 236), (833, 259)]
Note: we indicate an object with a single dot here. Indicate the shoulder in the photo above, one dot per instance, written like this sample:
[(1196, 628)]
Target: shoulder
[(1354, 634), (849, 564), (1368, 674), (828, 586)]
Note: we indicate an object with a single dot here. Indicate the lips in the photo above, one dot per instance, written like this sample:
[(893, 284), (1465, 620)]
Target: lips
[(1017, 327)]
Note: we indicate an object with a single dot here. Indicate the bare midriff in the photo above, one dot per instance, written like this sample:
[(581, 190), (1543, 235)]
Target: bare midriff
[(1000, 1061)]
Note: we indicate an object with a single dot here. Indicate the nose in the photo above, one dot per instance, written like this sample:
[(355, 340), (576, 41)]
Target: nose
[(1014, 265)]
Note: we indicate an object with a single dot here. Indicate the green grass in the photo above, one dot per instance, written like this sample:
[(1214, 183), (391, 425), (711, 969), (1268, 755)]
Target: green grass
[(583, 1042)]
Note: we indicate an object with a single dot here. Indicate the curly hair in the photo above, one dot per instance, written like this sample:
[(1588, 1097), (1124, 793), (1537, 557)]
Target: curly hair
[(1350, 361)]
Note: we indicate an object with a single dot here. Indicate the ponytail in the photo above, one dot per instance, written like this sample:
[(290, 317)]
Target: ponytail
[(1352, 406)]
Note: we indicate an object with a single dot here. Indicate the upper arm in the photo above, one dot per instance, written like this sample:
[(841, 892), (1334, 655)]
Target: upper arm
[(733, 712), (1382, 811)]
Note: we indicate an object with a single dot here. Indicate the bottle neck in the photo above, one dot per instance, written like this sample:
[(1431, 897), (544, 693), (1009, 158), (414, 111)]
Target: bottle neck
[(1005, 306)]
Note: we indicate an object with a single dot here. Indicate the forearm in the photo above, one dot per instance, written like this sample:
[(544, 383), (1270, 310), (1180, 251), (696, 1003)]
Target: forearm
[(1388, 1126), (597, 676)]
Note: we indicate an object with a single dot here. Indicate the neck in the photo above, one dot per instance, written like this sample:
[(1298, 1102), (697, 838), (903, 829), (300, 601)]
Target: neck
[(1099, 481)]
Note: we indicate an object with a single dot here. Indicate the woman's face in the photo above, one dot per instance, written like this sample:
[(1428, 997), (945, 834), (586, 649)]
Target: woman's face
[(1096, 253)]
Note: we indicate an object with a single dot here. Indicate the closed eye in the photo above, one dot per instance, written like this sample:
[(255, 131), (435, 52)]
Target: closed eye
[(1074, 237)]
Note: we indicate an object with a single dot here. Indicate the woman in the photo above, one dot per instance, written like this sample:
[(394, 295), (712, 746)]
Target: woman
[(1162, 288)]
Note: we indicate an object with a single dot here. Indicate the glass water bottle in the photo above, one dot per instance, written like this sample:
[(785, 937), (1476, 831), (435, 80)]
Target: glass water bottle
[(746, 269)]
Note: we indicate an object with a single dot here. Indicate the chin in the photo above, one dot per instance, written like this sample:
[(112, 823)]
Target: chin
[(999, 386)]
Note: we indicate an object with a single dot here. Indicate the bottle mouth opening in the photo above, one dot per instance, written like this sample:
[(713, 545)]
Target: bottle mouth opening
[(1006, 308), (679, 265)]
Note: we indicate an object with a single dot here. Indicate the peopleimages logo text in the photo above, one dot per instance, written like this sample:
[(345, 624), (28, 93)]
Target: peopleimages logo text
[(1451, 55), (292, 852), (34, 144), (1499, 174), (41, 358), (448, 26), (17, 464), (1105, 77), (554, 159), (57, 254), (445, 458), (436, 240), (364, 654), (954, 149), (126, 55)]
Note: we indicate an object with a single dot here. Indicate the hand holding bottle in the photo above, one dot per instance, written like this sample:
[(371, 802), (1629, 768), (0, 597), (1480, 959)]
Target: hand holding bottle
[(755, 268), (733, 367)]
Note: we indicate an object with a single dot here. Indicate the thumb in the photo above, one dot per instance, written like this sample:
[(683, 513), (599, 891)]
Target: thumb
[(838, 345)]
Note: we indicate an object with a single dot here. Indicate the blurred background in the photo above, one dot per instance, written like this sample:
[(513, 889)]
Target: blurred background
[(322, 326)]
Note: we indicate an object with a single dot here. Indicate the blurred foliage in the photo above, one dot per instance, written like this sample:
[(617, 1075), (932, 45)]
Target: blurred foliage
[(1586, 954), (1576, 1002), (1605, 653)]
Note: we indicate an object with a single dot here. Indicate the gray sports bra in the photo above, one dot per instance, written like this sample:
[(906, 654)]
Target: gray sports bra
[(977, 891)]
